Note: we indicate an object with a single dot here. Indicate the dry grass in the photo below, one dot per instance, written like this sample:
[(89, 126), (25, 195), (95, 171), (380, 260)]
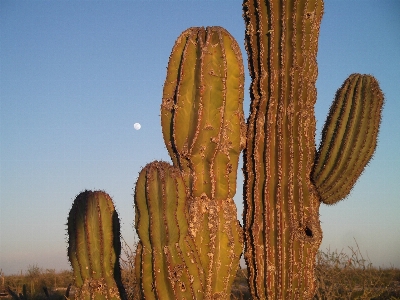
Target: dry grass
[(37, 284), (351, 276), (339, 276), (128, 270)]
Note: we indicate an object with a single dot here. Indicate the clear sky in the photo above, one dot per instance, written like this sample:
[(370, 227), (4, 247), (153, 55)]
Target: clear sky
[(76, 75)]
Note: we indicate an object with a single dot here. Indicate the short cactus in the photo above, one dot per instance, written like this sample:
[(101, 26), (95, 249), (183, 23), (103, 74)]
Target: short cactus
[(94, 246), (167, 264), (282, 198)]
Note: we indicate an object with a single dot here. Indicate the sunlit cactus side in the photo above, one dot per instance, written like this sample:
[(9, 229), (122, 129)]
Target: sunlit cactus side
[(167, 263), (202, 109), (349, 137), (203, 127), (94, 246), (283, 184), (282, 228)]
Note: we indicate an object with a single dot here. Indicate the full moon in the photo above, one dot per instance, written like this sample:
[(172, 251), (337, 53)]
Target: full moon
[(137, 126)]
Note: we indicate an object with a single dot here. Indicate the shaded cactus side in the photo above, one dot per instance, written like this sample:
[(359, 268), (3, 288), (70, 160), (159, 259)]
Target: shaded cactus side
[(167, 264), (281, 208), (203, 127), (94, 246)]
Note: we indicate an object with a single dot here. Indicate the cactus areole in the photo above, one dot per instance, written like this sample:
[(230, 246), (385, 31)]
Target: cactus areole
[(284, 183)]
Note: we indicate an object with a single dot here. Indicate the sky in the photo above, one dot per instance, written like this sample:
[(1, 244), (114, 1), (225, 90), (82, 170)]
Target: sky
[(75, 76)]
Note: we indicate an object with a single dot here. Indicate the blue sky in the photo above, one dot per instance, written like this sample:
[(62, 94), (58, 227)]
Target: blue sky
[(76, 75)]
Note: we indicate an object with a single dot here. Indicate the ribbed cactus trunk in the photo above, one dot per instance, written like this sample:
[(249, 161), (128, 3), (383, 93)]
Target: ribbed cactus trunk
[(285, 181), (282, 227), (203, 126)]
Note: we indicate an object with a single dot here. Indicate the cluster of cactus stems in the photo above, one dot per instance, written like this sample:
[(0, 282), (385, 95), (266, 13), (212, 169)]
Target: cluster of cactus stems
[(190, 240), (203, 127)]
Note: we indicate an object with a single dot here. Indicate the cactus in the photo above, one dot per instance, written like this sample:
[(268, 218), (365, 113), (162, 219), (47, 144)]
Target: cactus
[(167, 264), (349, 137), (282, 198), (203, 127), (94, 246), (185, 216), (202, 110), (190, 240)]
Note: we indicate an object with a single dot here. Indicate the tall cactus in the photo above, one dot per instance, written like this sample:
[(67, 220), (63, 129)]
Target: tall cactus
[(203, 127), (282, 198), (94, 246)]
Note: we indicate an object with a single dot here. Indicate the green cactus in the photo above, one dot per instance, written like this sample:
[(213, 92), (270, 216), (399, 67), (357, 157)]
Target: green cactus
[(349, 137), (203, 127), (167, 263), (202, 110), (185, 216), (94, 246), (282, 198), (190, 240)]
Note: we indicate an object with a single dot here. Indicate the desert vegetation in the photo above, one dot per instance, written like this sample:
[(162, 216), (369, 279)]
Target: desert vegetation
[(36, 283), (340, 275)]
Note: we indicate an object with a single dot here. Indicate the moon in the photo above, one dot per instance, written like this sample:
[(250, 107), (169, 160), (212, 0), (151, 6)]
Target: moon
[(137, 126)]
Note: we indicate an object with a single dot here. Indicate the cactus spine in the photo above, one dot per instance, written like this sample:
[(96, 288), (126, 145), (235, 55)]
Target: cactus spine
[(94, 246), (281, 217)]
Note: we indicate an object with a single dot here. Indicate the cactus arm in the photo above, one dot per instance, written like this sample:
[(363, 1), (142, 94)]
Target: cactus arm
[(158, 230), (231, 138), (210, 114), (94, 246), (282, 231), (349, 137)]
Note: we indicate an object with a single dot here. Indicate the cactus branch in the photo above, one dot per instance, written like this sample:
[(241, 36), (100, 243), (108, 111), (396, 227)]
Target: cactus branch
[(349, 137)]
